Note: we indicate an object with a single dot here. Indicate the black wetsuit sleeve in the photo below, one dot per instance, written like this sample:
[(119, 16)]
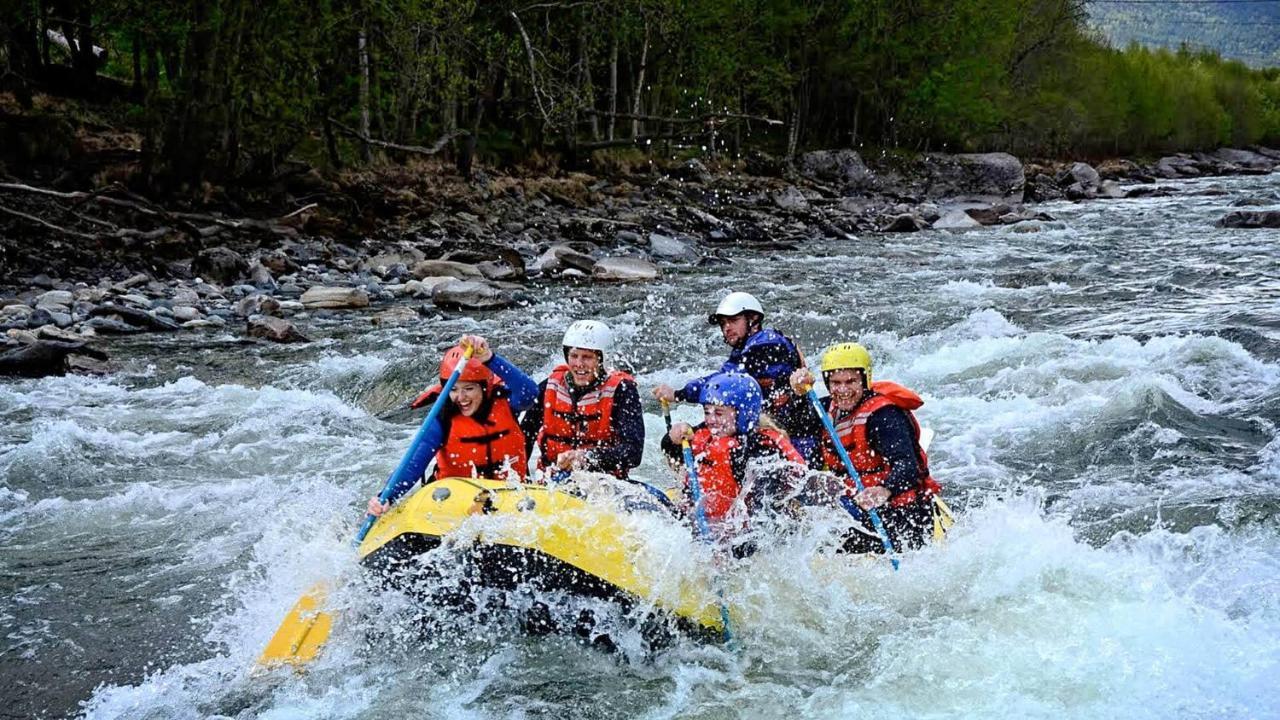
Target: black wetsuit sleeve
[(627, 422), (771, 364), (531, 422), (890, 433)]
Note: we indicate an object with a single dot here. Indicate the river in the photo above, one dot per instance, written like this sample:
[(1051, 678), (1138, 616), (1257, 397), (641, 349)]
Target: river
[(1105, 389)]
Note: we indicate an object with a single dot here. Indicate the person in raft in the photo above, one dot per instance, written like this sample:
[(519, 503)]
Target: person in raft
[(875, 424), (745, 466), (766, 355), (590, 416), (476, 433)]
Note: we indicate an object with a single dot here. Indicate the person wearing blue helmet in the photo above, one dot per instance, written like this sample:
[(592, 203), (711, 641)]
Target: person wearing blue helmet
[(745, 465), (766, 355)]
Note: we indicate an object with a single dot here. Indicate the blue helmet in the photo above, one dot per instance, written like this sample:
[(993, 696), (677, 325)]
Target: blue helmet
[(738, 391)]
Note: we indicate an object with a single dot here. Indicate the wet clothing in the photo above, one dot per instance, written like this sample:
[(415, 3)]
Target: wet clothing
[(604, 417), (770, 357), (480, 445), (909, 527), (882, 438), (763, 464)]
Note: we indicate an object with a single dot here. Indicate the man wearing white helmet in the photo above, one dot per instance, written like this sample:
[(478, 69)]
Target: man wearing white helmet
[(766, 355), (590, 416)]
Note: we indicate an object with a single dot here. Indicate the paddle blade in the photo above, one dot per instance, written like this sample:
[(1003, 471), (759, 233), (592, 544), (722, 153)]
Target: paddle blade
[(303, 632), (942, 519)]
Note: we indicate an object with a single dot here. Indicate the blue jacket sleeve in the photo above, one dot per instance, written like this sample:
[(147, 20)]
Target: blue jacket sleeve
[(522, 388), (419, 458)]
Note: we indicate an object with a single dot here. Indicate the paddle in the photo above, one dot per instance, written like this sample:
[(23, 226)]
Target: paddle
[(845, 501), (666, 414), (700, 521), (306, 627)]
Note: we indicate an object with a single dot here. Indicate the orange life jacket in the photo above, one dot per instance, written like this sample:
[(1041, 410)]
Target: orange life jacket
[(716, 473), (481, 449), (567, 425), (871, 467)]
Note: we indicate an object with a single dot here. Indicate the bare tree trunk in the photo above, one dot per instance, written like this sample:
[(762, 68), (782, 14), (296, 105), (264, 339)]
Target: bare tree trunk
[(635, 101), (362, 48), (613, 87)]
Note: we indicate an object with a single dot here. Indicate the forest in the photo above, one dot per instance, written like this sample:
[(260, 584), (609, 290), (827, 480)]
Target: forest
[(221, 90)]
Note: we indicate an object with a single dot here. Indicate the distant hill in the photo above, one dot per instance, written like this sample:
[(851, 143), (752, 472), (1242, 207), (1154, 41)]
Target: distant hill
[(1245, 31)]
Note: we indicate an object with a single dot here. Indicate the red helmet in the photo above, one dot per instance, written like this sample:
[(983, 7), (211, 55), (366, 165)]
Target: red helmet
[(473, 371)]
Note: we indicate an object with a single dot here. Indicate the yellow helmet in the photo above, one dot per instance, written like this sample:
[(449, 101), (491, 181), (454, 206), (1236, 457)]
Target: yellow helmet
[(847, 356)]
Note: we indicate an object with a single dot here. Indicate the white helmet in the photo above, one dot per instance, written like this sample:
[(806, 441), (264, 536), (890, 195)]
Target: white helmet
[(735, 303), (588, 334)]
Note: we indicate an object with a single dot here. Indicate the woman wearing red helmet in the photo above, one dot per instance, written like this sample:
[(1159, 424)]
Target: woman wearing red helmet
[(476, 434)]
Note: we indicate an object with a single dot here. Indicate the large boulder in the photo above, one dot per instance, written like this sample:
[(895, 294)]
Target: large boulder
[(471, 295), (135, 317), (956, 220), (1079, 179), (842, 167), (321, 297), (976, 175), (790, 198), (219, 264), (275, 329), (625, 269), (559, 258), (669, 248), (44, 357), (1245, 159), (1251, 219)]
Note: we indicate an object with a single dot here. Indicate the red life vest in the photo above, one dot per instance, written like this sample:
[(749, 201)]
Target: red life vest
[(481, 449), (714, 456), (567, 425), (871, 467)]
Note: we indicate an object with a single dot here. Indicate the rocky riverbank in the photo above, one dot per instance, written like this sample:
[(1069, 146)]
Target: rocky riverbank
[(380, 242)]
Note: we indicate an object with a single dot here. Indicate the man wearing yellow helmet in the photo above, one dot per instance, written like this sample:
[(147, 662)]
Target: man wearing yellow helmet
[(875, 424)]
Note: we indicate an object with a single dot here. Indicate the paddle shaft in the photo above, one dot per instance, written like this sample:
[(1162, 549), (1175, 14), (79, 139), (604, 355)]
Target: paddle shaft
[(666, 414), (436, 407), (700, 520), (857, 479)]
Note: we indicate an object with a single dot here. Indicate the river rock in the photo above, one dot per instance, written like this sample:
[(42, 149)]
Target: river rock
[(56, 298), (436, 268), (334, 297), (470, 295), (274, 329), (44, 357), (185, 313), (842, 167), (1251, 219), (257, 305), (624, 269), (220, 264), (1080, 180), (396, 316), (110, 326), (1245, 158), (669, 248), (261, 278), (906, 222), (559, 258), (277, 261), (135, 317), (956, 220), (407, 256), (994, 174), (790, 198)]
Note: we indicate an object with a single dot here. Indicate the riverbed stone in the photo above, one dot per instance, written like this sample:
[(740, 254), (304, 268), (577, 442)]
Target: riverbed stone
[(275, 329), (842, 167), (396, 316), (219, 264), (184, 313), (956, 220), (1251, 219), (790, 198), (625, 269), (983, 175), (435, 268), (334, 297), (471, 295), (906, 222)]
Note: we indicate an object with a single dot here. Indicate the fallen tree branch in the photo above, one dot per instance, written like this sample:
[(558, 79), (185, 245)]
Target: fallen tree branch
[(415, 149), (47, 224)]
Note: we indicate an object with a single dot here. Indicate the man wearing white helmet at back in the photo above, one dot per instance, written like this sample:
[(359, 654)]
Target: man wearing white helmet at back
[(590, 417), (766, 355)]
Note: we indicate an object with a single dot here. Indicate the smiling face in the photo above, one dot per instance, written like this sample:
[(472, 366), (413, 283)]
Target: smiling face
[(721, 420), (584, 365), (467, 396), (735, 329), (845, 387)]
